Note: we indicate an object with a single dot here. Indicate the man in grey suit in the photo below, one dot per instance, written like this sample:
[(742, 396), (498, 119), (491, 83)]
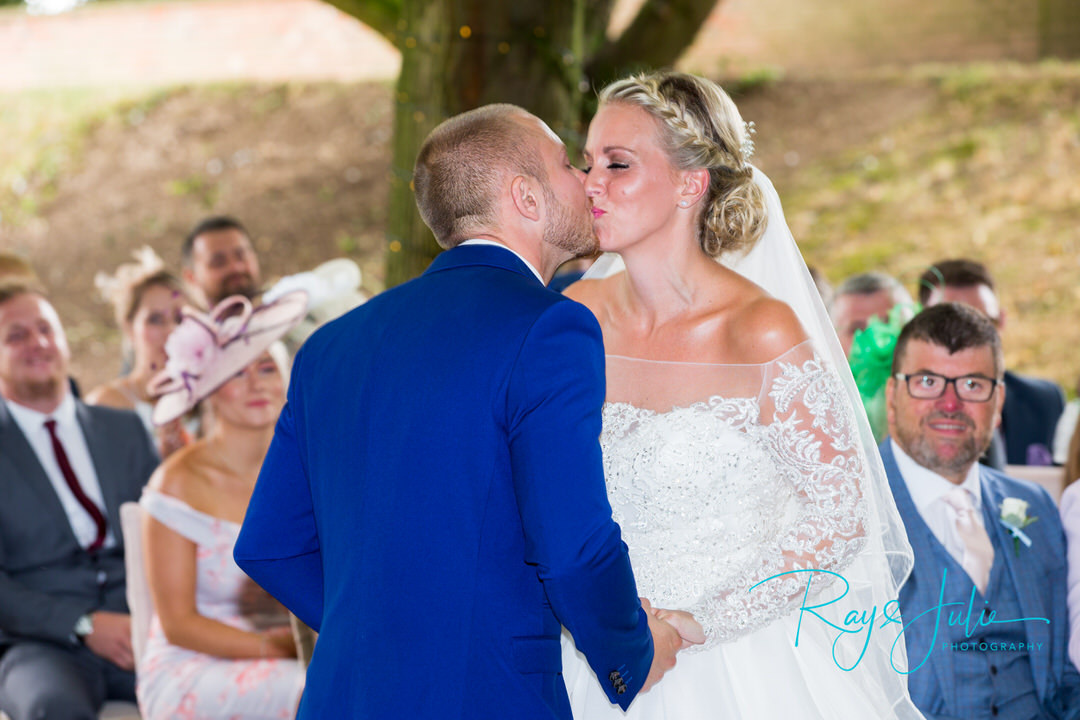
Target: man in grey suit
[(65, 468)]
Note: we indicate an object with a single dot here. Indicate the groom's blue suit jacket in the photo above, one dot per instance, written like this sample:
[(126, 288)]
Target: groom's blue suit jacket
[(433, 503), (1037, 574)]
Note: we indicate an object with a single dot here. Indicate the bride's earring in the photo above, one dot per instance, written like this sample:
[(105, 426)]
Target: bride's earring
[(683, 204)]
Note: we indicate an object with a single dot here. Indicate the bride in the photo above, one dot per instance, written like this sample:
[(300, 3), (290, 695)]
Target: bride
[(747, 486)]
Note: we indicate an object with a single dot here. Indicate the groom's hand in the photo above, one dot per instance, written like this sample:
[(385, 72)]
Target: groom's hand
[(666, 643)]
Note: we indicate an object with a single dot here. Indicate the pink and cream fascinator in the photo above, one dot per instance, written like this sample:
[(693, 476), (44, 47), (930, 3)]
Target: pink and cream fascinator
[(207, 349)]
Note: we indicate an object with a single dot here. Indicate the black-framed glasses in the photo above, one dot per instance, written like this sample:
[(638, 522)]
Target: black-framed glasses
[(930, 386)]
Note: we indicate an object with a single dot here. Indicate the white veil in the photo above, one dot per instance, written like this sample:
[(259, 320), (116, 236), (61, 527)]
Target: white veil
[(777, 266)]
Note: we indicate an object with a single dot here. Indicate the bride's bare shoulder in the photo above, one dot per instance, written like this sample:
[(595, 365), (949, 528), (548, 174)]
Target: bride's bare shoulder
[(591, 293), (765, 328)]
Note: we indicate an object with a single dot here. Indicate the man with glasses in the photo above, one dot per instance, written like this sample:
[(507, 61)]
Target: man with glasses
[(986, 626), (1033, 406)]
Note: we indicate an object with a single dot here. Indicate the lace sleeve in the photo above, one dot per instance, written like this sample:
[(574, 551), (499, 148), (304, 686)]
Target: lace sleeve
[(808, 430)]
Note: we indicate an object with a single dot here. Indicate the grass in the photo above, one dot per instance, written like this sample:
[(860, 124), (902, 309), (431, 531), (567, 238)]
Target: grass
[(44, 133), (989, 172)]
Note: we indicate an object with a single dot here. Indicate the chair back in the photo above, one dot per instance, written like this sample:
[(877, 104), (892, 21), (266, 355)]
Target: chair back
[(140, 604), (1051, 477)]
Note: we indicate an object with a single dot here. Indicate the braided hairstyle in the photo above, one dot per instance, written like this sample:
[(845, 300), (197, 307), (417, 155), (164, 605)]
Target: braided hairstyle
[(700, 127)]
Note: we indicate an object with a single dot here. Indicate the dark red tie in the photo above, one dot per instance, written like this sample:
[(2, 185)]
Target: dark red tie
[(76, 488)]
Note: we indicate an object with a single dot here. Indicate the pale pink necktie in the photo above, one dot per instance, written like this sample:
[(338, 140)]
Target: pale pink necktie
[(978, 551)]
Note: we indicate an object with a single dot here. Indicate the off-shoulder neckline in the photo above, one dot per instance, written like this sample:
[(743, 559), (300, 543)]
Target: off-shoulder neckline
[(177, 501), (791, 349)]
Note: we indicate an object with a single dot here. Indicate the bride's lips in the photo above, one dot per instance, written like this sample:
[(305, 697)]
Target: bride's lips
[(597, 212)]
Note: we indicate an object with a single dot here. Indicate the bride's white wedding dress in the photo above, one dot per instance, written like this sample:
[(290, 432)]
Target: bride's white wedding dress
[(741, 473), (753, 497)]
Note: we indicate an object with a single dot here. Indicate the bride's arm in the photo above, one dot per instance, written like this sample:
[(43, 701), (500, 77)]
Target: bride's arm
[(813, 440)]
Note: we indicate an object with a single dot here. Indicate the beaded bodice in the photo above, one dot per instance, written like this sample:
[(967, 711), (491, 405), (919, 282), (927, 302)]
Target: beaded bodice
[(719, 495)]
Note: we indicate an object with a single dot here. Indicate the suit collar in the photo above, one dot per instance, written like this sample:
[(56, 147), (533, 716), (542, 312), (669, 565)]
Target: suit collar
[(496, 256), (522, 258), (30, 420)]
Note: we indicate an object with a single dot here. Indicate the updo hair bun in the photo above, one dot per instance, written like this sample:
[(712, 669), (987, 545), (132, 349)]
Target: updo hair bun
[(735, 216), (700, 127)]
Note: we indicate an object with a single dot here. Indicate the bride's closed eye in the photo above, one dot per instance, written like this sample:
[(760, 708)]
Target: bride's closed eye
[(609, 166)]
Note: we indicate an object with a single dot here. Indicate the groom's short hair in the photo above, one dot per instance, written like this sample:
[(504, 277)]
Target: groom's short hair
[(464, 163)]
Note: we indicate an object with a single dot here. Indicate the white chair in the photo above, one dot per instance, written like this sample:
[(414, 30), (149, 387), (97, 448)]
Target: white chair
[(117, 710), (140, 603), (1051, 477)]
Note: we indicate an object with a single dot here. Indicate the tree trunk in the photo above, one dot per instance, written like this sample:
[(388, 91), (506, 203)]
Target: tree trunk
[(458, 55), (1059, 29)]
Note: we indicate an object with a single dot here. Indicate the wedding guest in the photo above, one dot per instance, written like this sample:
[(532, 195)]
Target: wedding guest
[(989, 546), (1070, 518), (861, 297), (1032, 405), (219, 260), (65, 468), (146, 300), (1072, 458), (1066, 427), (211, 652)]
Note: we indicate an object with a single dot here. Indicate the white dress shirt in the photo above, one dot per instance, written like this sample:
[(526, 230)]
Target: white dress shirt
[(928, 491), (32, 424), (478, 241)]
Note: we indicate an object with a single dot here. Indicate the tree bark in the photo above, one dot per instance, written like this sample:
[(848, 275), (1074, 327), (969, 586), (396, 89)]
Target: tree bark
[(1059, 29), (458, 55)]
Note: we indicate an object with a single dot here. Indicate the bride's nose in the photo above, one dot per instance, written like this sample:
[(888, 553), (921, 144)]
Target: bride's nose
[(593, 187)]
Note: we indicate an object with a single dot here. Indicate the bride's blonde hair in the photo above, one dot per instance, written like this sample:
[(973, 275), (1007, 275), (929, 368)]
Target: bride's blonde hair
[(700, 128)]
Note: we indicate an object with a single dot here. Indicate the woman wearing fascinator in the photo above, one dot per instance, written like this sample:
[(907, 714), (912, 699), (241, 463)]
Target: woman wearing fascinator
[(218, 646), (738, 461), (146, 299)]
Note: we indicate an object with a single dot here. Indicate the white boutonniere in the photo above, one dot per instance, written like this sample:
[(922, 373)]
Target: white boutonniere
[(1014, 517)]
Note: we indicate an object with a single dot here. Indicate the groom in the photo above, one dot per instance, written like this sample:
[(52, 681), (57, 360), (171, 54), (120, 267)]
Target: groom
[(433, 501)]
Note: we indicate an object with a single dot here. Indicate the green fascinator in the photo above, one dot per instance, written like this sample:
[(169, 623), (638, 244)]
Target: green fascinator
[(871, 362)]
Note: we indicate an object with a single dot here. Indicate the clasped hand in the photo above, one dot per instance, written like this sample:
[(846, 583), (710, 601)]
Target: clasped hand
[(111, 638), (672, 631)]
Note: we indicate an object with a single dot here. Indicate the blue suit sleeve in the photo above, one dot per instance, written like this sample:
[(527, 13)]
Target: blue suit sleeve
[(278, 545), (555, 398)]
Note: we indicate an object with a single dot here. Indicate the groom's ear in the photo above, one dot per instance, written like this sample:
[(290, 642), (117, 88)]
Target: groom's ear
[(695, 185), (525, 194)]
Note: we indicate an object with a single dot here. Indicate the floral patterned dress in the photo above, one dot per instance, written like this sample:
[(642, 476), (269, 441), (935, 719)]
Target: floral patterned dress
[(175, 683)]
